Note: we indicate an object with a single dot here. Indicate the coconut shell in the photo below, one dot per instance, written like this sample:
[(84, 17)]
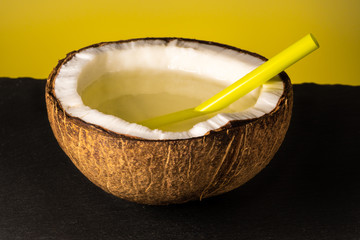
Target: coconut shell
[(161, 172)]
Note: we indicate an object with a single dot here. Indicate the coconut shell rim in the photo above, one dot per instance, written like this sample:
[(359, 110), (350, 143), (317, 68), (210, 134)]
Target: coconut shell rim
[(50, 89)]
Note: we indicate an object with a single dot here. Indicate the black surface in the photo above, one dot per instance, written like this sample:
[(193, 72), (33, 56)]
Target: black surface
[(310, 190)]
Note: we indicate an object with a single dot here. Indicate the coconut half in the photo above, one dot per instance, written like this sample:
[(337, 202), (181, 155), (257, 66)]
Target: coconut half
[(209, 157)]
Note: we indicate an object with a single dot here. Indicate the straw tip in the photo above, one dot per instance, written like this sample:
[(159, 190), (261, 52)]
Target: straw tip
[(314, 39)]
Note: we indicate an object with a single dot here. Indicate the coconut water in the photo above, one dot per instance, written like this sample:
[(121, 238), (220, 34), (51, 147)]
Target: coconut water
[(141, 94)]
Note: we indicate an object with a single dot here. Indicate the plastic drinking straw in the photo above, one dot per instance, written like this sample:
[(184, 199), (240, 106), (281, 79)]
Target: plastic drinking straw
[(249, 82)]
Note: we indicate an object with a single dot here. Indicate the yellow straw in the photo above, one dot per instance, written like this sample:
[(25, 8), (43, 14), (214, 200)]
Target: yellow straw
[(252, 80)]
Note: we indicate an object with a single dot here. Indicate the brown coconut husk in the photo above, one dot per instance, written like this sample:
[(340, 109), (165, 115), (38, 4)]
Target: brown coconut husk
[(170, 171)]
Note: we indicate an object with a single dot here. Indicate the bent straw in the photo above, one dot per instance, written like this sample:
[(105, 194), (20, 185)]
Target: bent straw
[(249, 82)]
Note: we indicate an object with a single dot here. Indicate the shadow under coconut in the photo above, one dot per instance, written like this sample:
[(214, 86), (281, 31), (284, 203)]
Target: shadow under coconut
[(310, 190)]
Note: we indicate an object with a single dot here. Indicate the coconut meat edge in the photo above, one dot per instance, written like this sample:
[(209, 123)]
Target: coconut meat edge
[(224, 65)]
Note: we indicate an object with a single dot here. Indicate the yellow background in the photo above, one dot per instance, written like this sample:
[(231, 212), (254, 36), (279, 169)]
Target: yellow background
[(35, 34)]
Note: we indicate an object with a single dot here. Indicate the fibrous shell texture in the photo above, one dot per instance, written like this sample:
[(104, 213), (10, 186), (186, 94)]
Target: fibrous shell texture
[(170, 171)]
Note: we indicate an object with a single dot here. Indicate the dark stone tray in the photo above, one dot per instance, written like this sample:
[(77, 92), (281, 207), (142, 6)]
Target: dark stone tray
[(310, 190)]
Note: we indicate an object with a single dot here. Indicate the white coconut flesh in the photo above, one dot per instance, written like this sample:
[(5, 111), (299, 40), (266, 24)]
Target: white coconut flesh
[(147, 78)]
